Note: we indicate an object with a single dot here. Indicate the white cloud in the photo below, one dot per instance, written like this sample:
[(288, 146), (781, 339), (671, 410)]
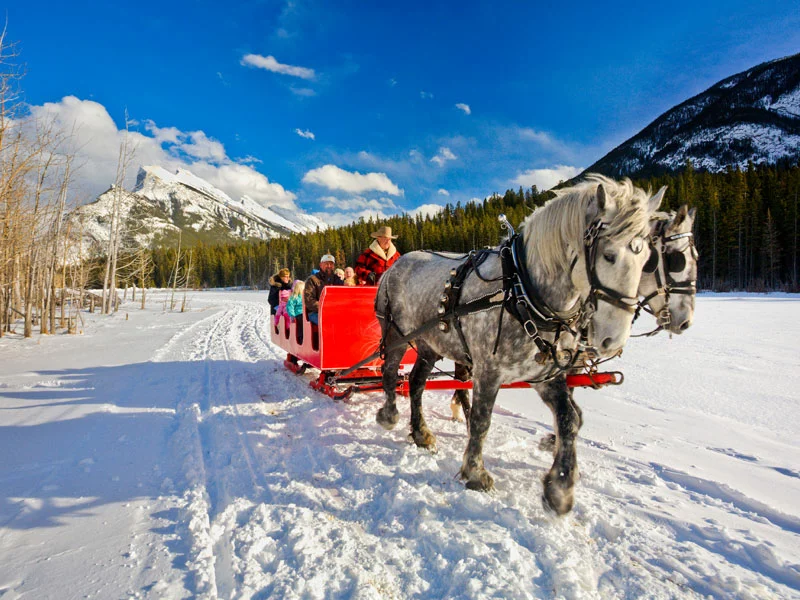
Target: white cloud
[(334, 178), (304, 92), (358, 203), (336, 219), (544, 179), (96, 140), (527, 133), (425, 95), (392, 82), (465, 107), (443, 156), (426, 210), (415, 156), (443, 192), (305, 134), (270, 64)]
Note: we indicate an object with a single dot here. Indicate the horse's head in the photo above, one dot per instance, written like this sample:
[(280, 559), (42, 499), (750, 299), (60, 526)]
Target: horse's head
[(668, 281), (614, 254)]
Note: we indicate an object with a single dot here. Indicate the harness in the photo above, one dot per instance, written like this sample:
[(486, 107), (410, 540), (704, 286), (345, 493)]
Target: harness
[(519, 297), (521, 300), (663, 263)]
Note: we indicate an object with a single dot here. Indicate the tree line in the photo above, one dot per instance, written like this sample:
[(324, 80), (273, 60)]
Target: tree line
[(745, 231)]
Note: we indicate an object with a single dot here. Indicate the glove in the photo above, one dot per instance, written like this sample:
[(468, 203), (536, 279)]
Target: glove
[(372, 278)]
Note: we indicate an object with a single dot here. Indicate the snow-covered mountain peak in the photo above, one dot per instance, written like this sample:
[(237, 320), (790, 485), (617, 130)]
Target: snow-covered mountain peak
[(753, 116), (163, 203)]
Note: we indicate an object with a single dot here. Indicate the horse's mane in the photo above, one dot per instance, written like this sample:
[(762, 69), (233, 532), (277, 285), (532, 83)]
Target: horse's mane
[(550, 230)]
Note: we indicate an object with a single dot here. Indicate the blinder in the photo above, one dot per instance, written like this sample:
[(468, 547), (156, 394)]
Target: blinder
[(675, 261), (652, 261)]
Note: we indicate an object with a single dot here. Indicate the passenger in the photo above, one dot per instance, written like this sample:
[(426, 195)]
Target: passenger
[(350, 277), (376, 259), (282, 280), (294, 307), (283, 297), (316, 283), (339, 273)]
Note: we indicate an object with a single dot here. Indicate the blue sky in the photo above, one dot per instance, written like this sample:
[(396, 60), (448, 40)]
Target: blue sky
[(354, 108)]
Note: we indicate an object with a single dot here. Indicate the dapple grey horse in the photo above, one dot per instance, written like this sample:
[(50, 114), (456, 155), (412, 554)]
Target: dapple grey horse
[(614, 218), (668, 288)]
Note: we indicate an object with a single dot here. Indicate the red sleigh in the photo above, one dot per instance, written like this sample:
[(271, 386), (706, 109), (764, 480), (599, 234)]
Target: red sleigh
[(348, 331)]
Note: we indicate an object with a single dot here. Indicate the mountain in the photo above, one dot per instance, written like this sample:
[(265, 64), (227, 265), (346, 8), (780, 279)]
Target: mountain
[(752, 116), (162, 204)]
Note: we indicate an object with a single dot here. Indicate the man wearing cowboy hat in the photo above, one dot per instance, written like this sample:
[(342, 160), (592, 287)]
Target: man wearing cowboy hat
[(380, 255)]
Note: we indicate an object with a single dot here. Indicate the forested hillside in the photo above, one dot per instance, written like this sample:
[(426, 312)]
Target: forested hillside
[(746, 232)]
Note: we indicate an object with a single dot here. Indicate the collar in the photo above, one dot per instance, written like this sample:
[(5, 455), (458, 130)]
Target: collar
[(376, 249)]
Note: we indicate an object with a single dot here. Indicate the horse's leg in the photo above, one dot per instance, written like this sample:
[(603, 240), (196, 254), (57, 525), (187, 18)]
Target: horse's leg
[(559, 482), (420, 433), (484, 394), (460, 400), (388, 414), (548, 442)]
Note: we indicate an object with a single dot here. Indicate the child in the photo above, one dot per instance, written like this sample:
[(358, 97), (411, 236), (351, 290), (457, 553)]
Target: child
[(294, 306), (283, 297), (350, 276)]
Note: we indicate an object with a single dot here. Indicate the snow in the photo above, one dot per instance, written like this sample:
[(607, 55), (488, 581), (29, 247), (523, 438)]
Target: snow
[(788, 105), (170, 455)]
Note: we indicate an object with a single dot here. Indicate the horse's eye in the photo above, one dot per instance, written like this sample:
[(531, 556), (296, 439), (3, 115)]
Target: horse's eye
[(610, 257), (637, 245)]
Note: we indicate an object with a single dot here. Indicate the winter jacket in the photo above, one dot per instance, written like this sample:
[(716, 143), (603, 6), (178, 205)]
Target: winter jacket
[(275, 287), (295, 306), (374, 262), (314, 286)]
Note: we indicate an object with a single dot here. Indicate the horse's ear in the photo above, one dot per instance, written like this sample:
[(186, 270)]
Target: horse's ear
[(602, 199), (655, 200), (680, 217), (692, 213)]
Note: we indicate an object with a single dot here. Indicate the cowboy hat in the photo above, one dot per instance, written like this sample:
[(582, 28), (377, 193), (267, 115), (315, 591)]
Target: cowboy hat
[(384, 232)]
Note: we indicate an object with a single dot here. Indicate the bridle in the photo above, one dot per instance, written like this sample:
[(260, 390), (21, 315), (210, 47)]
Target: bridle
[(532, 312), (663, 262), (598, 291)]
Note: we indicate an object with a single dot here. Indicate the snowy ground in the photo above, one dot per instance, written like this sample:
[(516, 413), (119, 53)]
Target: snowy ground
[(171, 456)]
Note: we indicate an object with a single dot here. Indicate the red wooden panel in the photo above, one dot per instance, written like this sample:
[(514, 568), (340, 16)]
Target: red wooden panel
[(348, 331)]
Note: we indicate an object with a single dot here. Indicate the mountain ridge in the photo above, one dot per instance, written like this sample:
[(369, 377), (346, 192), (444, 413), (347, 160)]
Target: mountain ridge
[(163, 205), (752, 116)]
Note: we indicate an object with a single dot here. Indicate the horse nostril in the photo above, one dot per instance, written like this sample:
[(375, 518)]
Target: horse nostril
[(606, 343), (685, 325)]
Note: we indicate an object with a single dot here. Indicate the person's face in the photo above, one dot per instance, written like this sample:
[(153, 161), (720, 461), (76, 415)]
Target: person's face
[(348, 272), (327, 267), (384, 242), (285, 279)]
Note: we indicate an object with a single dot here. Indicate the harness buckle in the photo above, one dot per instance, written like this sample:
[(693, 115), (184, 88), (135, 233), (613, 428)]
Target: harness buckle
[(531, 329)]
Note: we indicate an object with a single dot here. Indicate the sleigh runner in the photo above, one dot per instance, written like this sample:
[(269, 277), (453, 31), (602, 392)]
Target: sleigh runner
[(349, 333)]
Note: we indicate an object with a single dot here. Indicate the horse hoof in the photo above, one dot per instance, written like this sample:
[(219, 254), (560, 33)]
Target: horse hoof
[(548, 443), (482, 483), (557, 497), (424, 439), (387, 417)]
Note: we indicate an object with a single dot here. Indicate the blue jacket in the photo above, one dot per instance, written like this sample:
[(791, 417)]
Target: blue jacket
[(294, 306)]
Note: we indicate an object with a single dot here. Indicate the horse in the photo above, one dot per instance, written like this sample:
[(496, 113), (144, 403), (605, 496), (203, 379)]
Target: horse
[(668, 284), (578, 262), (667, 289)]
